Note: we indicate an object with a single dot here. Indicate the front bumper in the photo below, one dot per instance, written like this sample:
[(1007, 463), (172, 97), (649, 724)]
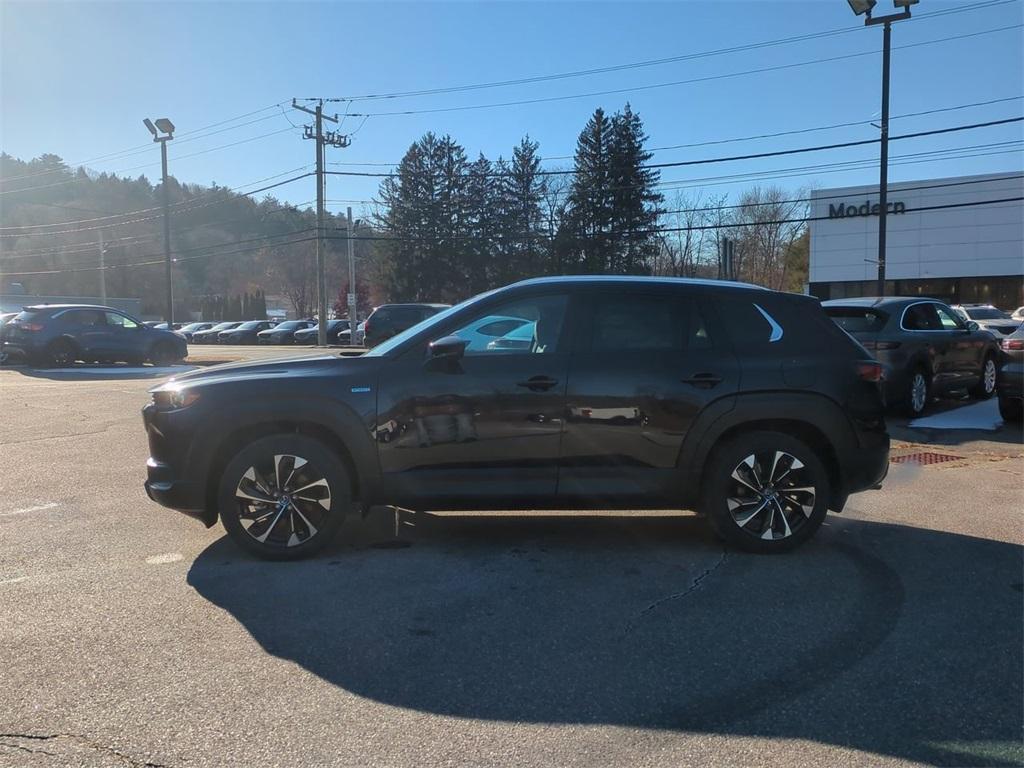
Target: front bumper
[(167, 480)]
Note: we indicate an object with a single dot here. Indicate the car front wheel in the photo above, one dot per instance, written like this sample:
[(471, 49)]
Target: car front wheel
[(284, 497), (1011, 409), (765, 492)]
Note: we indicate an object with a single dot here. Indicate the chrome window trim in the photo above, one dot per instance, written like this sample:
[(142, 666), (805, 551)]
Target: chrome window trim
[(776, 333), (930, 330)]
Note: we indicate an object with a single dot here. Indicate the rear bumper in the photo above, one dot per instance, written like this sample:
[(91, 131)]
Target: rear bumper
[(1010, 381)]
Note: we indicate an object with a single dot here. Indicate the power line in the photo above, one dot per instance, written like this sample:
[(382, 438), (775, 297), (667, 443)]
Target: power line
[(179, 207), (528, 236), (751, 156), (182, 137), (647, 63), (707, 78)]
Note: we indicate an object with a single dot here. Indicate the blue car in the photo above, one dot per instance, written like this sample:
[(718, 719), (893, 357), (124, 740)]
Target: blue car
[(56, 335)]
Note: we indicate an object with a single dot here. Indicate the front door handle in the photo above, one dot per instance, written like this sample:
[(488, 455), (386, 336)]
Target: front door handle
[(704, 380), (538, 383)]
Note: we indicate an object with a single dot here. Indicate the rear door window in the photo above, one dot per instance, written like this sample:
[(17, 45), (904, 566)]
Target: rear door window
[(921, 317), (641, 321)]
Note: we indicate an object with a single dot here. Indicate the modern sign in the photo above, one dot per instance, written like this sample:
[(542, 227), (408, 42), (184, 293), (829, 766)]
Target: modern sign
[(867, 208)]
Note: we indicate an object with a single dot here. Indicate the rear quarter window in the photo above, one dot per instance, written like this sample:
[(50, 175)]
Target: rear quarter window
[(857, 319)]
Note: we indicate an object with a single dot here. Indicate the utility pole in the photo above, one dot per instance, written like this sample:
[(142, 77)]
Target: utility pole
[(335, 139), (103, 271), (353, 317)]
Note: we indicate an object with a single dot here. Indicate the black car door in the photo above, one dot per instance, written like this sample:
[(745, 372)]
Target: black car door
[(89, 329), (486, 426), (644, 366)]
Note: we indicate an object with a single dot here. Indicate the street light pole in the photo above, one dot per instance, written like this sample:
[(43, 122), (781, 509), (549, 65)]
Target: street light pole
[(165, 127), (169, 312), (353, 317), (883, 162)]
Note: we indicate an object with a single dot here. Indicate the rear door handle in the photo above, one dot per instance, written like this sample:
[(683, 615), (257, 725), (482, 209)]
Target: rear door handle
[(538, 383), (704, 380)]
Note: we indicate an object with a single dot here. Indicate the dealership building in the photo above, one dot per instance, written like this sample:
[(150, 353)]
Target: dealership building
[(946, 239)]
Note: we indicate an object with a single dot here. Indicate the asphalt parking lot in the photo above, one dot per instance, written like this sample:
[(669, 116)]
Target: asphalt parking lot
[(131, 635)]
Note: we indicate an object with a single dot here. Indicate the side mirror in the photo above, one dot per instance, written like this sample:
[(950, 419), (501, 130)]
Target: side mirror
[(972, 326), (447, 348)]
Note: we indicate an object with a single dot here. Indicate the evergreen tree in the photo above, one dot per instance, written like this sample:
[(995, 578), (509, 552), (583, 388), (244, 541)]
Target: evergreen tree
[(478, 249), (590, 214), (635, 199), (526, 189)]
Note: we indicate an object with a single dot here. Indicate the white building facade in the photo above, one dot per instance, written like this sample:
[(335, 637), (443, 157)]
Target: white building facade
[(946, 238)]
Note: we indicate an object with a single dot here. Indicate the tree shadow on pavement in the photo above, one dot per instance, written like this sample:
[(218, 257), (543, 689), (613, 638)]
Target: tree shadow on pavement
[(887, 639)]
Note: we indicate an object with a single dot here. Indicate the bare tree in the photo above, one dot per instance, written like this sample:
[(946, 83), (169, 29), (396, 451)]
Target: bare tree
[(772, 221)]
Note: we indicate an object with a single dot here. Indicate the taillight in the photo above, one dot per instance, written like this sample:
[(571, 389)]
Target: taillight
[(870, 371), (1014, 344), (31, 326), (880, 344)]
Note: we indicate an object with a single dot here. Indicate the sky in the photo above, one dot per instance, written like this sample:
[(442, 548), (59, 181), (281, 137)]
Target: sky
[(76, 80)]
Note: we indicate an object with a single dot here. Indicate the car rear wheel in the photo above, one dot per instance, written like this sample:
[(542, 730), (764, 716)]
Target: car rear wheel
[(284, 497), (919, 390), (986, 386), (765, 492), (60, 353), (1011, 409)]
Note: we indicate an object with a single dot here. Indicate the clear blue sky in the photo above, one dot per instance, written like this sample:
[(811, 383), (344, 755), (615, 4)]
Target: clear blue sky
[(76, 79)]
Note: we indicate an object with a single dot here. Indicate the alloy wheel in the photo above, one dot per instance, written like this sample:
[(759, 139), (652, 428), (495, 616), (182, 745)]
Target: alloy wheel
[(283, 502), (773, 495), (989, 376), (918, 392)]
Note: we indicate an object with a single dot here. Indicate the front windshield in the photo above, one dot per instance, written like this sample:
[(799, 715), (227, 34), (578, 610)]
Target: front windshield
[(288, 325), (192, 326), (223, 326), (251, 325), (386, 346), (986, 313)]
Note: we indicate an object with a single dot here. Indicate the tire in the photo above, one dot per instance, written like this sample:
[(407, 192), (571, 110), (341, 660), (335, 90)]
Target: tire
[(765, 517), (986, 386), (59, 353), (1011, 409), (918, 393), (271, 529), (163, 353)]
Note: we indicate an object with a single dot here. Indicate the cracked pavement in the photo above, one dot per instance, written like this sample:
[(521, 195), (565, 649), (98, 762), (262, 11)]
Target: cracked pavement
[(894, 638)]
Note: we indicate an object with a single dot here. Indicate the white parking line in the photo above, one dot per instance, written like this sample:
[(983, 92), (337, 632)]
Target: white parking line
[(26, 510), (14, 580), (167, 557)]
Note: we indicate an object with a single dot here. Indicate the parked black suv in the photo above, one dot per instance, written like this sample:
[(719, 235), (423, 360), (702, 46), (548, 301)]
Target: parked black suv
[(389, 320), (60, 334), (748, 405)]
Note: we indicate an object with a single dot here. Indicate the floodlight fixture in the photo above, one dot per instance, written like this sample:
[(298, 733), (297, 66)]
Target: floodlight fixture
[(860, 7), (165, 125), (149, 124)]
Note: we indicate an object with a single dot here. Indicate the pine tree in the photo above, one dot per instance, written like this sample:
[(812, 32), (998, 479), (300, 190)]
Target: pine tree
[(527, 190), (590, 214), (635, 199), (479, 248)]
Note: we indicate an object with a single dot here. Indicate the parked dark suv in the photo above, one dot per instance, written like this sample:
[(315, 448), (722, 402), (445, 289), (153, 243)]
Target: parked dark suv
[(748, 405), (389, 320), (927, 348), (59, 334)]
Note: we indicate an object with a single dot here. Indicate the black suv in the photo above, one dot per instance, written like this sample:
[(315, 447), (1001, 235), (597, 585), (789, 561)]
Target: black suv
[(746, 404), (389, 320), (59, 334)]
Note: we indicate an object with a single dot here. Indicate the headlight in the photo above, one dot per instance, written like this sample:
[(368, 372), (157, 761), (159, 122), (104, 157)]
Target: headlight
[(173, 399)]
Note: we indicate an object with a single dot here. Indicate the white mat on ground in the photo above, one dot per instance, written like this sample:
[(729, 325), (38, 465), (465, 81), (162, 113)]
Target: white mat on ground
[(983, 415)]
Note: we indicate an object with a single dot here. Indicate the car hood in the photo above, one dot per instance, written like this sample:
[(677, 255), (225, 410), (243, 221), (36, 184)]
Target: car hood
[(999, 323), (263, 369)]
